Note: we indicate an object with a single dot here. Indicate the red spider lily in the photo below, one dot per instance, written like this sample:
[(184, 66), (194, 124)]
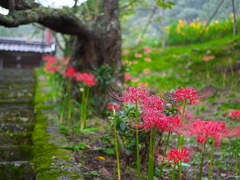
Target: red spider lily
[(137, 55), (48, 57), (86, 79), (173, 123), (53, 69), (176, 155), (70, 72), (147, 50), (208, 58), (127, 76), (133, 95), (184, 94), (125, 52), (153, 102), (206, 129), (114, 106), (153, 118), (235, 114)]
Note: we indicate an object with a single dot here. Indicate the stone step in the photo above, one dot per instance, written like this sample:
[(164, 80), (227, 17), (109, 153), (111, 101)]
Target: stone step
[(16, 127), (15, 153), (24, 138), (19, 93), (11, 101), (17, 170)]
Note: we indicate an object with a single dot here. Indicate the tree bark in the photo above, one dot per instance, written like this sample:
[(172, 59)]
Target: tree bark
[(234, 18)]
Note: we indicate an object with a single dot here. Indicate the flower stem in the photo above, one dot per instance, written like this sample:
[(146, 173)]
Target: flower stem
[(82, 110), (181, 122), (137, 144), (62, 111), (207, 71), (201, 165), (237, 166), (211, 161), (68, 96), (116, 145), (150, 157), (180, 170), (165, 150)]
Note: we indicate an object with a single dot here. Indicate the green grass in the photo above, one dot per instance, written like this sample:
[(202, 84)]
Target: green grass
[(176, 66)]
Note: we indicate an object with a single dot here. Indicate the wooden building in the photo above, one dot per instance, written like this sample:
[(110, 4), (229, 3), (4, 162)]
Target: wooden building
[(23, 53)]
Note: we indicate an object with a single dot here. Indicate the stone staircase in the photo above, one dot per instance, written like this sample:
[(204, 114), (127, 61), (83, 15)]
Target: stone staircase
[(16, 124)]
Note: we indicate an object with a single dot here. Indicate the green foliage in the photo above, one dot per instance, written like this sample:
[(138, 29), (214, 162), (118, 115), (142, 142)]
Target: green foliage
[(77, 147)]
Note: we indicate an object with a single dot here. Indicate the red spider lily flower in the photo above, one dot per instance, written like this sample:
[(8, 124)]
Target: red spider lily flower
[(208, 58), (70, 72), (134, 95), (125, 52), (235, 114), (184, 94), (153, 102), (153, 118), (175, 156), (206, 129), (229, 59), (147, 59), (173, 123), (48, 57), (147, 50), (114, 106), (127, 76), (137, 55), (53, 69), (86, 79)]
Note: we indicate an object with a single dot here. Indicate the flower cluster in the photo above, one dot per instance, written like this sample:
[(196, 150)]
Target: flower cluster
[(175, 156), (184, 94), (203, 130), (235, 114), (86, 79)]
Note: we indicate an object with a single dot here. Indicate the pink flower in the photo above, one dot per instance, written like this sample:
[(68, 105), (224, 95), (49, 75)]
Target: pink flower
[(53, 69), (147, 59), (137, 55), (127, 76), (208, 58), (114, 106), (146, 71), (153, 118), (125, 52), (173, 123), (229, 59), (153, 102), (86, 79), (206, 129), (176, 155), (70, 72), (184, 94), (134, 95), (147, 50), (48, 57), (235, 114)]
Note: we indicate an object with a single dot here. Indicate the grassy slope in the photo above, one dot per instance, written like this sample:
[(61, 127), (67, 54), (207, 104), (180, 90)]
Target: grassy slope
[(178, 66)]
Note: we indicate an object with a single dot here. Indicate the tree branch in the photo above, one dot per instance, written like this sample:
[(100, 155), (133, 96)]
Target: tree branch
[(56, 19)]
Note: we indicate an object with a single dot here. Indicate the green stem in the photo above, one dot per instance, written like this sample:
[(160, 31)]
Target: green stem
[(180, 170), (82, 110), (150, 157), (85, 107), (62, 111), (181, 122), (116, 145), (68, 96), (211, 161), (137, 144), (231, 69), (165, 150), (201, 165), (237, 166), (207, 71)]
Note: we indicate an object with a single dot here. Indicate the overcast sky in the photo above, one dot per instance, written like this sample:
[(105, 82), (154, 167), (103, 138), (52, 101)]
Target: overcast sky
[(51, 3)]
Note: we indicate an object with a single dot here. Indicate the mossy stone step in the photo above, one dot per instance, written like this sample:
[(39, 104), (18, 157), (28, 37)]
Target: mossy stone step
[(24, 138), (16, 127), (15, 153), (16, 101), (18, 170)]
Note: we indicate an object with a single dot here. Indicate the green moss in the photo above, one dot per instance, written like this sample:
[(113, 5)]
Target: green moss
[(47, 155)]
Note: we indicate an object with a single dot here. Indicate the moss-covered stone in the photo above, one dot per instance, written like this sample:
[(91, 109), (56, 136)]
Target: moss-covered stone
[(50, 160)]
